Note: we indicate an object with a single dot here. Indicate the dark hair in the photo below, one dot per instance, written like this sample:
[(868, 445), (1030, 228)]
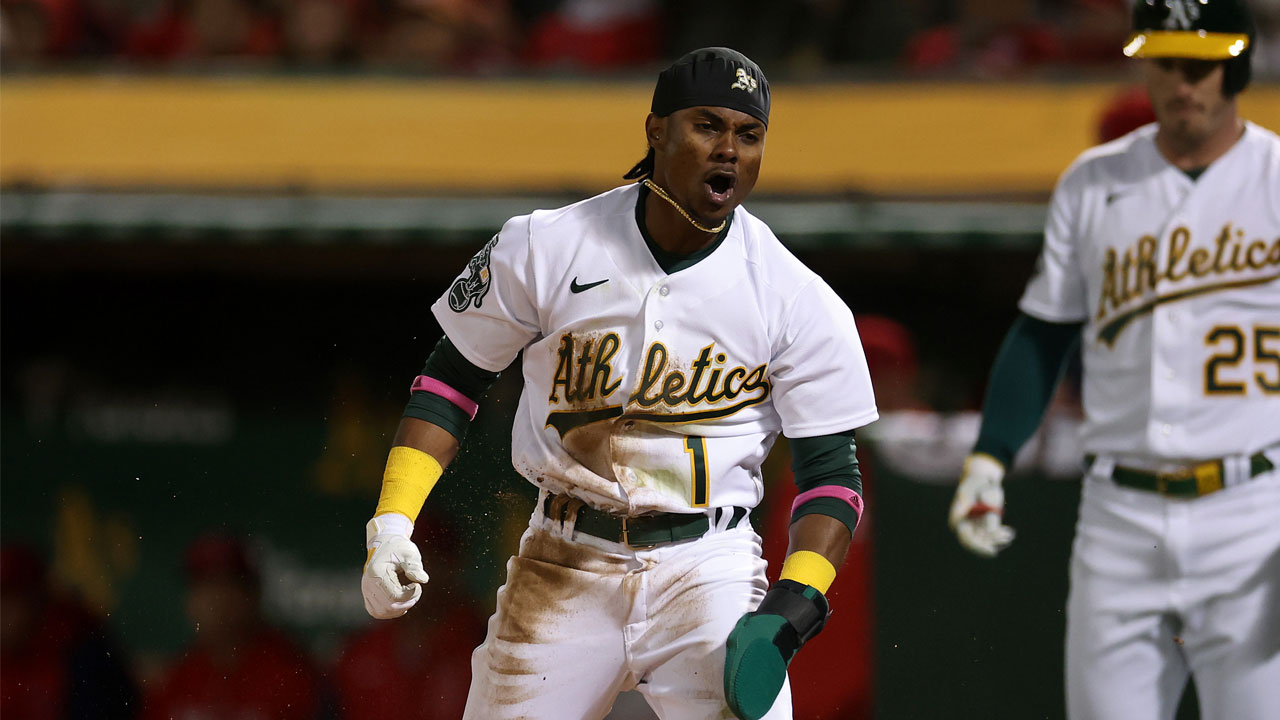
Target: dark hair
[(642, 169)]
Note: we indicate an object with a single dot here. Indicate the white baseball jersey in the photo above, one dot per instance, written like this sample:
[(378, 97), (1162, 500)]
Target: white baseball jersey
[(645, 391), (1178, 285)]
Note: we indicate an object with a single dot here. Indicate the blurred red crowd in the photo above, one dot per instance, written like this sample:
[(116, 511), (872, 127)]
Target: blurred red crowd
[(974, 37), (57, 659)]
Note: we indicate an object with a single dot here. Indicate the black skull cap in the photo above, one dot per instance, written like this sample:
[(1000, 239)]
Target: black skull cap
[(713, 76)]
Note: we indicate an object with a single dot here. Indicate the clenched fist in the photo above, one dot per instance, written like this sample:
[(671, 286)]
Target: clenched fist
[(393, 573), (977, 512)]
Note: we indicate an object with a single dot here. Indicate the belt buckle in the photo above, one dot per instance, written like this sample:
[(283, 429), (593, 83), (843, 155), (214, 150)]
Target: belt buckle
[(626, 539), (1208, 476)]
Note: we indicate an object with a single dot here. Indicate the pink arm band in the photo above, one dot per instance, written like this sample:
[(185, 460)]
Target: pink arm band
[(435, 387), (832, 491)]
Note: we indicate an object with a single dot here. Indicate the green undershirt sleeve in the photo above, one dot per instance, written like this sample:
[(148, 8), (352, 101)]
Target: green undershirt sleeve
[(827, 460), (448, 366), (1023, 378)]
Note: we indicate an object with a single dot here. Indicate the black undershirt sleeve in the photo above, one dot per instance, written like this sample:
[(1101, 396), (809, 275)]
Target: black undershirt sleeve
[(448, 366), (1024, 376)]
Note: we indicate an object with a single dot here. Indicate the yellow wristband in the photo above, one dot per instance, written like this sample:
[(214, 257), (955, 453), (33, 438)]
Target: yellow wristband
[(407, 481), (809, 568)]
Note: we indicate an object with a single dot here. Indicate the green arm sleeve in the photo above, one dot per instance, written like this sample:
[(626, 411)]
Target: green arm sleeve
[(1025, 373), (448, 366), (827, 460)]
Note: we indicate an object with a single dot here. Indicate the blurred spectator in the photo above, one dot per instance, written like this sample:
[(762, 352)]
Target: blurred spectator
[(35, 30), (596, 35), (237, 666), (860, 33), (417, 666), (892, 359), (1094, 31), (31, 30), (1008, 38), (991, 38), (1126, 111), (768, 32), (196, 30), (444, 36), (322, 33), (57, 660), (1266, 51)]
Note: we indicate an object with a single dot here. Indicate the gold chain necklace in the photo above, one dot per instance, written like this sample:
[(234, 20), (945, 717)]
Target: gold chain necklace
[(654, 187)]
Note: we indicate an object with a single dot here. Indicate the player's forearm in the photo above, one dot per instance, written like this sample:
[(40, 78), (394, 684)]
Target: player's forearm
[(419, 454), (1023, 378), (428, 438), (821, 534), (418, 457)]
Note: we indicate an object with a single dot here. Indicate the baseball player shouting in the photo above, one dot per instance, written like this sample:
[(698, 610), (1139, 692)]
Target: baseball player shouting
[(668, 338), (1162, 254)]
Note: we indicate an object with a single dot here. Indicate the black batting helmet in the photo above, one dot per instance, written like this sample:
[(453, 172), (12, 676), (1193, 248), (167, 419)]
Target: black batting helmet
[(1196, 29)]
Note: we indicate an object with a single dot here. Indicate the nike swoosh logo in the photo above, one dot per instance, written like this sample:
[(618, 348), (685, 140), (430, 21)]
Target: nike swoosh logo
[(1113, 196), (575, 288)]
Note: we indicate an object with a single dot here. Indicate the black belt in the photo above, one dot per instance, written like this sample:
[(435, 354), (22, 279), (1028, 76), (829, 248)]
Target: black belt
[(640, 531), (1195, 481)]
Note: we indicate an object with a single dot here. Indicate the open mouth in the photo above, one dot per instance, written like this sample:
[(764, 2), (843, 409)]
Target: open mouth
[(720, 186)]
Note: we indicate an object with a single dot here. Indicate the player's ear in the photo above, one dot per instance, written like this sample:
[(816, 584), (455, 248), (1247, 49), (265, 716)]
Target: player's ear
[(654, 129)]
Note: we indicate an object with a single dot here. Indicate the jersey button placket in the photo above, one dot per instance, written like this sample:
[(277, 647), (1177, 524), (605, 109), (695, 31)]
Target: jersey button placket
[(663, 292), (653, 311), (1167, 392)]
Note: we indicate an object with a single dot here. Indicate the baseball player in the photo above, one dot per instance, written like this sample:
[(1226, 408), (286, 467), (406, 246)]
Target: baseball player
[(667, 339), (1162, 256)]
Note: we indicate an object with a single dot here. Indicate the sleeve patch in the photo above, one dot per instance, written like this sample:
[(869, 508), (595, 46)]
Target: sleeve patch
[(472, 287)]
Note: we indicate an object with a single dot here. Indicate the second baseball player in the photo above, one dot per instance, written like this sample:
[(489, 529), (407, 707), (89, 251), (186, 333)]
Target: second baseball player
[(1163, 247)]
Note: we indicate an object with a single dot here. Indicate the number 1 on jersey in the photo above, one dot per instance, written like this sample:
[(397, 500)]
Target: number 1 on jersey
[(697, 449)]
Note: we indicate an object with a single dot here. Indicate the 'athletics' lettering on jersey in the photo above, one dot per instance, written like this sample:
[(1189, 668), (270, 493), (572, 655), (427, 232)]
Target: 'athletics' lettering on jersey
[(662, 395), (1137, 273), (594, 372), (707, 382)]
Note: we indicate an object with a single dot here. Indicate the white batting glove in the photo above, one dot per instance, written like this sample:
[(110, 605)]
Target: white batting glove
[(977, 511), (393, 574)]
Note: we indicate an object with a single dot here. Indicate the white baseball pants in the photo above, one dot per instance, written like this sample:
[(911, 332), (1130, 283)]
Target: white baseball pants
[(581, 619), (1162, 587)]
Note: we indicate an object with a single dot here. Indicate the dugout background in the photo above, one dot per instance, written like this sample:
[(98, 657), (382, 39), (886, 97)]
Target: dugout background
[(188, 344)]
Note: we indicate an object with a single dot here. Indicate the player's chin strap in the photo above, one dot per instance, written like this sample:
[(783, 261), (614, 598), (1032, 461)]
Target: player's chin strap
[(763, 642), (663, 194)]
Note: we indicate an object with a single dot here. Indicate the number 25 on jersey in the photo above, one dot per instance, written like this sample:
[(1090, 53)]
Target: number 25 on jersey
[(1222, 372)]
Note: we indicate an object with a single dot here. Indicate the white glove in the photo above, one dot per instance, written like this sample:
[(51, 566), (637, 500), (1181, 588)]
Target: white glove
[(393, 574), (978, 507)]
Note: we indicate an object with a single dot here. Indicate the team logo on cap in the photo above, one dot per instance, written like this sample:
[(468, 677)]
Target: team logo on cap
[(1182, 14), (744, 82)]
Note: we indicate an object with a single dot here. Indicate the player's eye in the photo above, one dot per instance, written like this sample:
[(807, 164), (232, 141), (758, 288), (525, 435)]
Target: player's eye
[(1197, 70)]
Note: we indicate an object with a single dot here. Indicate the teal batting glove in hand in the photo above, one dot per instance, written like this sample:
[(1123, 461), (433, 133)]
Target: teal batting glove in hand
[(763, 642)]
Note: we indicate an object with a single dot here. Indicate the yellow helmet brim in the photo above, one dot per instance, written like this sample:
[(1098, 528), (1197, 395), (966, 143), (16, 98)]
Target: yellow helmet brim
[(1196, 44)]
